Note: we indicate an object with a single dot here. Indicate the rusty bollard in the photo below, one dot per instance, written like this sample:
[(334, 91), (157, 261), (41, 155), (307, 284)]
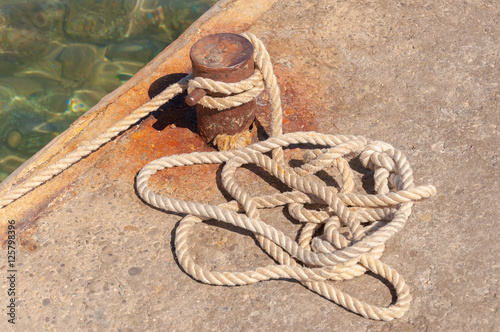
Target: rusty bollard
[(228, 58)]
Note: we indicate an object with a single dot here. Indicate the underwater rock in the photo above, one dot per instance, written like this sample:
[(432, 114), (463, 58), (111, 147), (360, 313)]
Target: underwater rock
[(49, 67), (54, 103), (3, 21), (6, 96), (31, 134), (105, 21), (76, 60), (22, 87), (3, 175), (39, 73), (49, 58), (127, 70), (48, 15), (116, 7), (147, 17), (14, 139), (178, 14), (81, 101), (103, 75), (135, 50), (44, 15), (10, 63), (95, 27), (27, 42), (9, 163), (32, 130)]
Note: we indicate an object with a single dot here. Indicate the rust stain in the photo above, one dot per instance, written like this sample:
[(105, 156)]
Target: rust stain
[(299, 103), (26, 243), (173, 143), (157, 291), (298, 98)]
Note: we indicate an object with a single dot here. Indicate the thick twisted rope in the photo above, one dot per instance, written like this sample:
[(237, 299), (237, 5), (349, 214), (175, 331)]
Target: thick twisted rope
[(90, 146), (241, 92), (315, 260)]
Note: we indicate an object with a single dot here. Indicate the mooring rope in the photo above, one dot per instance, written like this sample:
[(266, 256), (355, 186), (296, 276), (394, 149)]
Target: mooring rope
[(90, 146), (314, 261)]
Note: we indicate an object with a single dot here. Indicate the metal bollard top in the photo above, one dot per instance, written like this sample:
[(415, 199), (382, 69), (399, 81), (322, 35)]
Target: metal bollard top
[(223, 57)]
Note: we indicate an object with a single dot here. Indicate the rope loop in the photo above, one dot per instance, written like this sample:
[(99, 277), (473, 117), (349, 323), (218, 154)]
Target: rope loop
[(237, 94)]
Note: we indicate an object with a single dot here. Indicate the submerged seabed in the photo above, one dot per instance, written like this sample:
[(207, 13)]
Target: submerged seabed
[(58, 58)]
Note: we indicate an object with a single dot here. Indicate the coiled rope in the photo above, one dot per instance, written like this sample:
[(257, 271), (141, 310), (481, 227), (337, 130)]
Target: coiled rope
[(312, 260)]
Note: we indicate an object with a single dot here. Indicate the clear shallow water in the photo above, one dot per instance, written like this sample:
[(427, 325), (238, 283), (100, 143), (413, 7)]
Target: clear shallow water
[(58, 58)]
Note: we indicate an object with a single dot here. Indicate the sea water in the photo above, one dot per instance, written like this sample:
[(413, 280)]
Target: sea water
[(58, 58)]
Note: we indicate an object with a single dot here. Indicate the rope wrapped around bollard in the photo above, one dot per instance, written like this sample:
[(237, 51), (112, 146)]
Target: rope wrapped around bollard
[(370, 219)]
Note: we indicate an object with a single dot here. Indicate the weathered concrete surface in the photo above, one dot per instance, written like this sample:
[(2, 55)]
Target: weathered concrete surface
[(421, 76)]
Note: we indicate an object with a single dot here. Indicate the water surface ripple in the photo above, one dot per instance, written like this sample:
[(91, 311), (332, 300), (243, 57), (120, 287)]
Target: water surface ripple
[(58, 58)]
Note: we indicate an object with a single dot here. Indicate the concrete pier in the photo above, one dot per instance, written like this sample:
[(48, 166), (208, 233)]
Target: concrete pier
[(422, 76)]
